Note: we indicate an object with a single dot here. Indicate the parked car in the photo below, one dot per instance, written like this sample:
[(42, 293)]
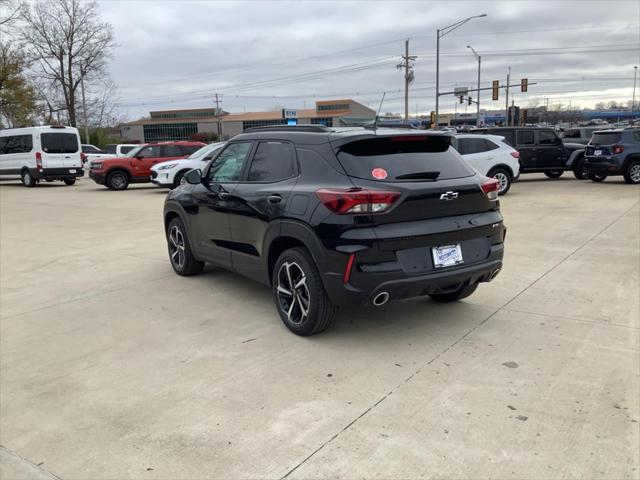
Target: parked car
[(491, 156), (111, 150), (614, 152), (579, 134), (41, 153), (169, 174), (330, 218), (116, 173), (88, 148), (542, 150)]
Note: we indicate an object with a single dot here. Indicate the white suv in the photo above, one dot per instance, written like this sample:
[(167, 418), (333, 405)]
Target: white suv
[(491, 156), (170, 173)]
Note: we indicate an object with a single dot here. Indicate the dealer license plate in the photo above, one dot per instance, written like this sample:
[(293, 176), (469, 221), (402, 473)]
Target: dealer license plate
[(73, 170), (446, 255)]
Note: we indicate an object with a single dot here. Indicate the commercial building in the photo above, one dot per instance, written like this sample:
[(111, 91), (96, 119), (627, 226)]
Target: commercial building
[(184, 124)]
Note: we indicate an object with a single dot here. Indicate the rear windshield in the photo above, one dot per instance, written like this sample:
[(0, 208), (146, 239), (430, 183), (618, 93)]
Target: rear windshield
[(606, 138), (59, 142), (403, 158)]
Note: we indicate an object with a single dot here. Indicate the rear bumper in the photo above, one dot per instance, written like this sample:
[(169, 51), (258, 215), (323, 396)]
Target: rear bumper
[(58, 173), (602, 165)]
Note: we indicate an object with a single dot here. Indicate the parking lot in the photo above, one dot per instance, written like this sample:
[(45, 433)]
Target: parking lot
[(113, 366)]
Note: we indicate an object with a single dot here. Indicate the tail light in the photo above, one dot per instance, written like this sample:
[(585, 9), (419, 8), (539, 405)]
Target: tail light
[(617, 149), (39, 161), (491, 188), (515, 154), (348, 267), (83, 157), (357, 201)]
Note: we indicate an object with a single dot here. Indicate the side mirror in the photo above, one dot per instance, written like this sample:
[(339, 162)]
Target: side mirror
[(193, 177)]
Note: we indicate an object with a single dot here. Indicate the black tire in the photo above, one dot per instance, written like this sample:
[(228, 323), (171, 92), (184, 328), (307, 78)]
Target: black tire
[(27, 179), (464, 292), (579, 170), (293, 267), (553, 173), (632, 172), (178, 178), (69, 181), (596, 177), (117, 180), (504, 177), (180, 254)]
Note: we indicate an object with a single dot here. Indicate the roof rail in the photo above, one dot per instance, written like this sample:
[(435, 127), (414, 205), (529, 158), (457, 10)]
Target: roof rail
[(291, 128)]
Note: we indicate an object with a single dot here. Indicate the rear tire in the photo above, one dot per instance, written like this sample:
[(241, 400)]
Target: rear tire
[(117, 180), (180, 254), (594, 177), (69, 181), (504, 177), (464, 292), (632, 172), (300, 297), (579, 171), (27, 179), (553, 173)]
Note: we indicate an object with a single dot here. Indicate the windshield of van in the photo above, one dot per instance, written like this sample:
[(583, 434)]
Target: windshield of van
[(59, 142)]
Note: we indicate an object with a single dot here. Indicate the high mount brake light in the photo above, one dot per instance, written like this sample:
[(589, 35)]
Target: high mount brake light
[(515, 154), (491, 188), (360, 201)]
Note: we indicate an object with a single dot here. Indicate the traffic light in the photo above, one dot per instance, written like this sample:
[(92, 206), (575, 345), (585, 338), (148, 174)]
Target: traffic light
[(524, 117), (469, 101), (524, 84), (461, 99), (495, 89)]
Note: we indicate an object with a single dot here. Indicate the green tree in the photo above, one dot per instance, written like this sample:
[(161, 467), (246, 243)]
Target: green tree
[(17, 97)]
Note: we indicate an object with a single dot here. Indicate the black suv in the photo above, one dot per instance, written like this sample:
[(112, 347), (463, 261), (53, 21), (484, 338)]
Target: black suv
[(329, 218), (614, 152), (542, 150)]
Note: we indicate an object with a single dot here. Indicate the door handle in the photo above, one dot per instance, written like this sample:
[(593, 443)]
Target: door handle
[(275, 198)]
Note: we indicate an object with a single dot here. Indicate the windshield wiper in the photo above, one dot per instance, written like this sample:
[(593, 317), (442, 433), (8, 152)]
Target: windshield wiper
[(419, 176)]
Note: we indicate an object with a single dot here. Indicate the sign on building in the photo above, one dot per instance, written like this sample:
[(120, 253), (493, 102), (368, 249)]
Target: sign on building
[(289, 113)]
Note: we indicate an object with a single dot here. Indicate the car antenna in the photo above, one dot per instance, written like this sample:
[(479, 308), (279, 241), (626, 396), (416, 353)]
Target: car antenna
[(375, 122)]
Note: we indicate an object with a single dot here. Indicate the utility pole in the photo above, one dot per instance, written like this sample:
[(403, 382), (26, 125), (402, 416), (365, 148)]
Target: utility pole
[(478, 94), (407, 64), (220, 130), (84, 107), (506, 107), (633, 101)]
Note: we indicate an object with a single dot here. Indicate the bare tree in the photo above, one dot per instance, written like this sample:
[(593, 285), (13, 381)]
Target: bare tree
[(9, 12), (68, 42)]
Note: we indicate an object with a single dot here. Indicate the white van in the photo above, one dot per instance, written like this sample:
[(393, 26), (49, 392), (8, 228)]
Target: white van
[(40, 153)]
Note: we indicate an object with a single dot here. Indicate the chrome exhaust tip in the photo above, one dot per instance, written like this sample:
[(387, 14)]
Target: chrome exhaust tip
[(380, 299), (494, 274)]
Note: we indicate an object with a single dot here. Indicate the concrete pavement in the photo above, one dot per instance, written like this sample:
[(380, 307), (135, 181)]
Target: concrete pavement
[(112, 366)]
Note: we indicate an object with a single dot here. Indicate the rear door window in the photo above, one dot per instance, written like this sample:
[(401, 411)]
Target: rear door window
[(16, 144), (509, 135), (526, 137), (152, 151), (469, 146), (59, 142), (606, 138), (403, 158), (273, 161), (171, 151)]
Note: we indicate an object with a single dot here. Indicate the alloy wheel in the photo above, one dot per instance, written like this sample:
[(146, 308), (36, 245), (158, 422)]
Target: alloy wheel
[(503, 179), (177, 247), (634, 173), (118, 181), (293, 293)]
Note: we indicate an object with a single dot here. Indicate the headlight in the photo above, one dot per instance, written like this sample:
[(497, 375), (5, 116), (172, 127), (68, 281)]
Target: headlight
[(167, 166), (96, 165)]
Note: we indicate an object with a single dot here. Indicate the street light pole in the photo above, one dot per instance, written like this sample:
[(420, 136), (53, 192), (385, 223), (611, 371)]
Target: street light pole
[(439, 34), (633, 101), (478, 94)]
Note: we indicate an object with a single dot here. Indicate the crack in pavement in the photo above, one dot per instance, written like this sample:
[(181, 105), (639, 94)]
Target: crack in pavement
[(438, 355), (25, 466)]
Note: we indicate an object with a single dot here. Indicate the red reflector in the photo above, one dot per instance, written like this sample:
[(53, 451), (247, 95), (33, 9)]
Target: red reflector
[(38, 160), (515, 154), (491, 187), (357, 201), (347, 270), (617, 149)]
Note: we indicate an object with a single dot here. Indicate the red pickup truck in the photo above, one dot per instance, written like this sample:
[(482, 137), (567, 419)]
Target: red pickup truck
[(118, 172)]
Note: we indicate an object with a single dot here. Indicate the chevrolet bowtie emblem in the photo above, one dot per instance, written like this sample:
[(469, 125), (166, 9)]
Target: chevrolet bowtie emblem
[(449, 196)]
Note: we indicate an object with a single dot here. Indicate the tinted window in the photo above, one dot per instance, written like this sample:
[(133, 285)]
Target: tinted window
[(16, 144), (508, 134), (171, 151), (606, 138), (59, 142), (467, 146), (188, 149), (526, 137), (124, 150), (397, 158), (227, 167), (112, 148), (575, 133), (272, 161), (547, 137), (152, 151)]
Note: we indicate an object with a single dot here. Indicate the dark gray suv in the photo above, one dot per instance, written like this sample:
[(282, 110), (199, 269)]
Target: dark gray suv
[(614, 152)]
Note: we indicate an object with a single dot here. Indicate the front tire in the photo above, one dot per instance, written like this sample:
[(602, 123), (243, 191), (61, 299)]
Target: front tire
[(27, 179), (69, 181), (595, 177), (632, 172), (463, 292), (117, 180), (553, 173), (180, 254), (504, 177), (301, 300)]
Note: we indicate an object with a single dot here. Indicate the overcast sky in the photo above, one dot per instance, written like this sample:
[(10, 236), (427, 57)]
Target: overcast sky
[(261, 55)]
